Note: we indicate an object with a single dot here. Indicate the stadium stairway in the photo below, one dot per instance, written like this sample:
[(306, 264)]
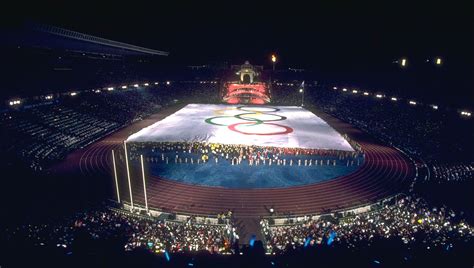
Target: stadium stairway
[(247, 228)]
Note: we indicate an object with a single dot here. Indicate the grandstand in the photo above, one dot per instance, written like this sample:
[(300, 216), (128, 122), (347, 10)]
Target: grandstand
[(111, 157)]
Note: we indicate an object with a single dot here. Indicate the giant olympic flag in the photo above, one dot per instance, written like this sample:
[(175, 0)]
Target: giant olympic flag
[(279, 126)]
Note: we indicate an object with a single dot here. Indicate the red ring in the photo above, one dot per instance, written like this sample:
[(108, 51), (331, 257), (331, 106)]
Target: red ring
[(287, 129)]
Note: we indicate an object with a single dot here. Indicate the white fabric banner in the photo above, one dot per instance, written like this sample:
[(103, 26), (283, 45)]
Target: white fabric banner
[(279, 126)]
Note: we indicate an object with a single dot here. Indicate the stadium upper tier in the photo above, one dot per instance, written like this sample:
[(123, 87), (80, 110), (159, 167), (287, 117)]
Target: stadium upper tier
[(44, 132)]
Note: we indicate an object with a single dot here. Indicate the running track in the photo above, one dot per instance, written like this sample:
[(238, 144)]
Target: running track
[(385, 171)]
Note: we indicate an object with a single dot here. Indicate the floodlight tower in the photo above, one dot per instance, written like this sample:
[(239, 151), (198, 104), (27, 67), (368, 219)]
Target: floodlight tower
[(274, 59)]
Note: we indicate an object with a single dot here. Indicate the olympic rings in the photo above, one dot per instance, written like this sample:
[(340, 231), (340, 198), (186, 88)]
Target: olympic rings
[(210, 120), (251, 110), (286, 131), (255, 119)]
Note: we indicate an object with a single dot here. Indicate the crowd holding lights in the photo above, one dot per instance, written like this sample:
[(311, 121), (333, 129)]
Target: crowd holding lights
[(410, 220), (139, 232)]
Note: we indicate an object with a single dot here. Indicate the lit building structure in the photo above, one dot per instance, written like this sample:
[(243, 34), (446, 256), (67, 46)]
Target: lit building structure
[(246, 89)]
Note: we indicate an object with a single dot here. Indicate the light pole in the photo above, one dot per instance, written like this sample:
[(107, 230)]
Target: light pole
[(274, 59), (302, 94)]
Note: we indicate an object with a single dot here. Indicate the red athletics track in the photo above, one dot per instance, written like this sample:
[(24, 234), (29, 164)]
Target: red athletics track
[(385, 171)]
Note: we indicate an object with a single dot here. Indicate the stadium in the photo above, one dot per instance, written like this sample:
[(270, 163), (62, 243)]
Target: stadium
[(120, 154)]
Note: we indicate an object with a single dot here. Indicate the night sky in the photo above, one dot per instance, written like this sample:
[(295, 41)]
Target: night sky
[(335, 32), (330, 36)]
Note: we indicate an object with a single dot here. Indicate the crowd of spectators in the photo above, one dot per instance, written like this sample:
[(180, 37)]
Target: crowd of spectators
[(44, 132), (409, 220), (419, 129), (135, 231), (445, 173)]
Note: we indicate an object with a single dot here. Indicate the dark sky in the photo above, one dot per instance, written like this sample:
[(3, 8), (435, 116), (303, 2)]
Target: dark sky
[(327, 33)]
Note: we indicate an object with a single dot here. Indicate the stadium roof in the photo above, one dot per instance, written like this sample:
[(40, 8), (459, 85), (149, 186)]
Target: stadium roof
[(51, 37)]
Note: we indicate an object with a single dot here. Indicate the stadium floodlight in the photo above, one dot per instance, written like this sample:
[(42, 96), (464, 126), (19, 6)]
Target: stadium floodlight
[(97, 91), (110, 88), (435, 107), (156, 83), (438, 61), (366, 93), (394, 99), (466, 113), (354, 91), (301, 90), (334, 88), (73, 94), (412, 102), (11, 103), (136, 85), (274, 59), (124, 87), (146, 84), (168, 83), (379, 96), (404, 62), (344, 89)]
